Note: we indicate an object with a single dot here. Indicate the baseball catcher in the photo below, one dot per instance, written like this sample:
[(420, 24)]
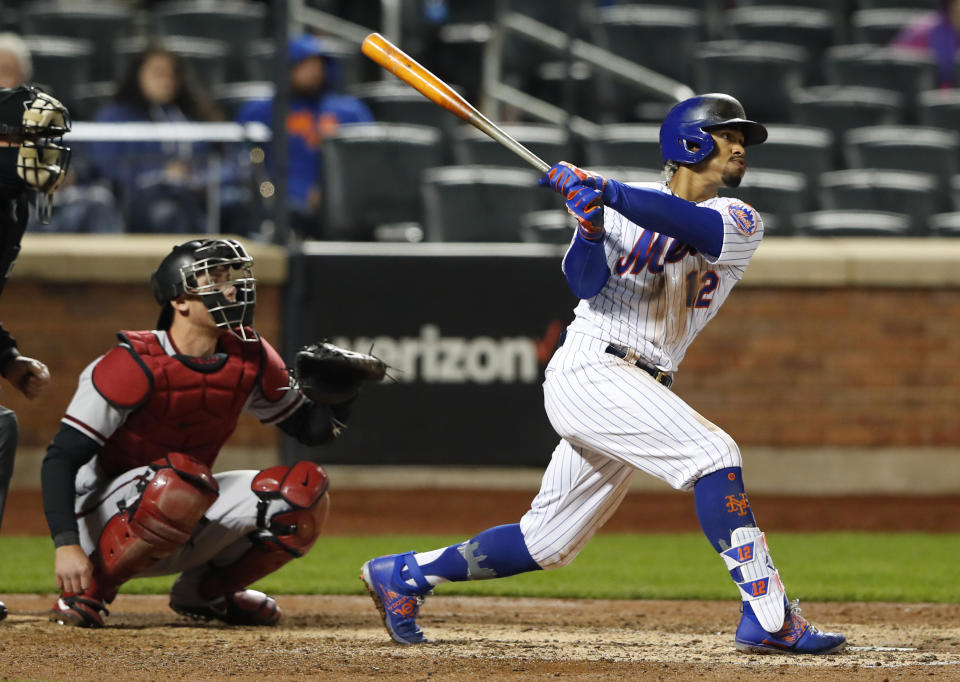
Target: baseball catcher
[(33, 162), (127, 484)]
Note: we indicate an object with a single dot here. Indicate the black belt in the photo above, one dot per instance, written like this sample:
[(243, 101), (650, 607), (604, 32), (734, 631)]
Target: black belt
[(658, 375)]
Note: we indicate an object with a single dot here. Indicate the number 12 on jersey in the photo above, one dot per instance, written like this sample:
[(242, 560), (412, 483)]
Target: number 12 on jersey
[(700, 288)]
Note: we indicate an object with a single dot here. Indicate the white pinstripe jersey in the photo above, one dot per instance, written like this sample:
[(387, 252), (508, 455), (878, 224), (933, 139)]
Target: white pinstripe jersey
[(661, 292)]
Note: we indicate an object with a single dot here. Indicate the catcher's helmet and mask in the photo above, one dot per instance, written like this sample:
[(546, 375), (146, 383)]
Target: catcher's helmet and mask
[(685, 131), (32, 125), (178, 274)]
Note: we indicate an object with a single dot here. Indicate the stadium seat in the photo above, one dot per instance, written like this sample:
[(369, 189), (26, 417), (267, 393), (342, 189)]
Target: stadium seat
[(552, 78), (955, 192), (837, 8), (478, 203), (60, 64), (89, 97), (472, 147), (760, 74), (625, 144), (812, 29), (944, 224), (898, 4), (628, 174), (914, 194), (852, 223), (925, 150), (236, 22), (231, 96), (841, 107), (940, 108), (777, 195), (356, 199), (880, 26), (207, 57), (101, 23), (905, 71), (392, 101), (795, 148), (650, 35), (547, 227), (457, 56)]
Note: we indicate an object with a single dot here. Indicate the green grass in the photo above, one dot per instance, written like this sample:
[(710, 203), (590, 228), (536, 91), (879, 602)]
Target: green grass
[(816, 566)]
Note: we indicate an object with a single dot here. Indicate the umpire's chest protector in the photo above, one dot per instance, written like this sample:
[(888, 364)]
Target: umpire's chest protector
[(180, 403)]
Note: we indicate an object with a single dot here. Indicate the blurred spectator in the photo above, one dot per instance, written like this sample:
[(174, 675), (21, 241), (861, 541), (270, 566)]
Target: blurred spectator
[(79, 209), (938, 34), (161, 184), (316, 110), (16, 67)]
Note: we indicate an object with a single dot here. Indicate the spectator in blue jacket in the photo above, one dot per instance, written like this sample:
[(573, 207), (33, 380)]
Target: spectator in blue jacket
[(161, 184), (316, 111)]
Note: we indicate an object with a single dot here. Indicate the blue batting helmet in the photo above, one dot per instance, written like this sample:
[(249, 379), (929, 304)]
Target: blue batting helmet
[(690, 121)]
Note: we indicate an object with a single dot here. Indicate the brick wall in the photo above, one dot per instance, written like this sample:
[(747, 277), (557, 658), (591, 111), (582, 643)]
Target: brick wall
[(792, 366), (830, 367), (67, 325)]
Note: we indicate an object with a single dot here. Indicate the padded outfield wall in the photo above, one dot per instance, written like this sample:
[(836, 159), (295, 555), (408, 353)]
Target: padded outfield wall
[(834, 364)]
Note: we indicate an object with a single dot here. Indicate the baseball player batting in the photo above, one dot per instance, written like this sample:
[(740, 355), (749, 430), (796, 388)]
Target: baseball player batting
[(127, 485), (651, 263), (33, 161)]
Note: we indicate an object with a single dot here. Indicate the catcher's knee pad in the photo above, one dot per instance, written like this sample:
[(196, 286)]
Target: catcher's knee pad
[(292, 510), (172, 503)]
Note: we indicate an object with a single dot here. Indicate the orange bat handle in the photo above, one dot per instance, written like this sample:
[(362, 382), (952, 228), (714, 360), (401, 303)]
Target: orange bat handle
[(404, 67)]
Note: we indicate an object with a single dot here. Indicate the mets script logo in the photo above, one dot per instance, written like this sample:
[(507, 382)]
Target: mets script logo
[(744, 217)]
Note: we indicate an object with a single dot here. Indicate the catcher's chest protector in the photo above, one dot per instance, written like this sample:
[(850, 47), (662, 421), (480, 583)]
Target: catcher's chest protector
[(191, 405)]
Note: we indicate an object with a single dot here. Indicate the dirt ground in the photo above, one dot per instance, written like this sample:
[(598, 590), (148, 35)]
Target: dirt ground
[(496, 638)]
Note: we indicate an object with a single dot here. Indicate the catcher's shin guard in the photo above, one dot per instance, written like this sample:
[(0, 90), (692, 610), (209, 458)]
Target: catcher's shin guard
[(283, 536), (171, 505), (751, 567)]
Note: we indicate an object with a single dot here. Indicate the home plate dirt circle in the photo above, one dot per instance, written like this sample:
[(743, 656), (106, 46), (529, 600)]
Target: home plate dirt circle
[(328, 637)]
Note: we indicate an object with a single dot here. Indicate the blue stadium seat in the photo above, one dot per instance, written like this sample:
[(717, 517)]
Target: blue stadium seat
[(472, 147), (101, 23), (554, 226), (880, 26), (852, 223), (801, 149), (236, 22), (905, 71), (940, 108), (777, 195), (914, 194), (759, 74), (354, 203), (478, 203), (921, 149), (812, 29), (635, 145), (60, 64)]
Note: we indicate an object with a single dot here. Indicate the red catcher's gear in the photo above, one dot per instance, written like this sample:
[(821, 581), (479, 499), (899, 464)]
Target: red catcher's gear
[(180, 403), (282, 537), (163, 519)]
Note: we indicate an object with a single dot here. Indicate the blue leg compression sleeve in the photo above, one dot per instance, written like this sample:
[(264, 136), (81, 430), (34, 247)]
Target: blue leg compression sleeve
[(495, 553), (722, 506)]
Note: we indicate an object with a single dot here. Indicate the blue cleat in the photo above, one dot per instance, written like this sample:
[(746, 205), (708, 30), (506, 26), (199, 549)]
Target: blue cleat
[(797, 636), (397, 601)]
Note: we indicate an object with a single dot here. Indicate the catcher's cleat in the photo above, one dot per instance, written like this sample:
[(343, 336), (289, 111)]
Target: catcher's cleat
[(3, 610), (797, 636), (246, 607), (397, 602), (79, 610)]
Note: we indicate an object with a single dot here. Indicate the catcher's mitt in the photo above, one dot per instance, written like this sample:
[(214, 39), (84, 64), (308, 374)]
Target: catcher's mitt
[(329, 374)]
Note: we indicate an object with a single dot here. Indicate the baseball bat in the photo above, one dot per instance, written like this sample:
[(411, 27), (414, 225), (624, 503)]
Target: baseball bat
[(404, 67)]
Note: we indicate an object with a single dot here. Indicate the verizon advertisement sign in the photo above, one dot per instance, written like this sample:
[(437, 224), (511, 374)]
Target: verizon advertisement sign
[(467, 331)]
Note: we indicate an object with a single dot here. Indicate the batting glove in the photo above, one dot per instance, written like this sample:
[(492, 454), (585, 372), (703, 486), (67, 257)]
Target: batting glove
[(584, 204), (563, 176)]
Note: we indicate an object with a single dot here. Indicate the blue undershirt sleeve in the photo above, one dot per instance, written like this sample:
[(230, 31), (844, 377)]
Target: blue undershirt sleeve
[(585, 266), (699, 227)]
